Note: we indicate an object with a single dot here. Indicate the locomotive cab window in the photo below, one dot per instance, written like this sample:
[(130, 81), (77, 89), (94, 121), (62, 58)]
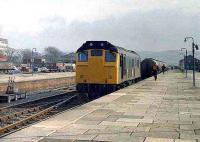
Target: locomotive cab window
[(110, 56), (83, 56), (96, 52)]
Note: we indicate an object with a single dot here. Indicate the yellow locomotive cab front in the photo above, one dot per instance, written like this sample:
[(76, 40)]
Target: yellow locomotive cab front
[(96, 66)]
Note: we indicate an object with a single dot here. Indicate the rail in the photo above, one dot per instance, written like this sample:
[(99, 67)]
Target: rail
[(21, 116)]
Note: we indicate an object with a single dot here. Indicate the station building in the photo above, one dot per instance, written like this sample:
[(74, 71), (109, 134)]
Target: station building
[(183, 64), (3, 49), (5, 66)]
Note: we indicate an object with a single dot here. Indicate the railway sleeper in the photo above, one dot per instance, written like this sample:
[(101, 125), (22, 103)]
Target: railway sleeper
[(24, 116), (5, 118), (31, 121), (27, 116), (4, 131)]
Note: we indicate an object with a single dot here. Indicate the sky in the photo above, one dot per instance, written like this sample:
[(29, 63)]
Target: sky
[(151, 25)]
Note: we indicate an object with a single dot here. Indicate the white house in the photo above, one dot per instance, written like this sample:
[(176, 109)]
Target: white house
[(3, 49)]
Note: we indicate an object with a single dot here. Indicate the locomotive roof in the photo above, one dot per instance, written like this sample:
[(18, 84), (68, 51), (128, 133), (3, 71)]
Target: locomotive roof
[(103, 45)]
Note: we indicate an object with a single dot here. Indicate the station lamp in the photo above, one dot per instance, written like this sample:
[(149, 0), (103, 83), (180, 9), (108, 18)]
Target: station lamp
[(194, 46)]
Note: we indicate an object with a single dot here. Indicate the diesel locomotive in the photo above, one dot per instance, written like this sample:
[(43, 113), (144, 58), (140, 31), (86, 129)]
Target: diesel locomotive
[(104, 67)]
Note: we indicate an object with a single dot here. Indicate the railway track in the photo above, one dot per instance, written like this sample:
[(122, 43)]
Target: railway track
[(16, 117), (57, 92)]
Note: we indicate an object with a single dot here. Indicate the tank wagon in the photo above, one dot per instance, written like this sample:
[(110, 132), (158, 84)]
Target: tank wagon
[(104, 67), (147, 65)]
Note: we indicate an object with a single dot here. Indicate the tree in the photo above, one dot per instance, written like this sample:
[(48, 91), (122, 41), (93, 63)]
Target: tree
[(17, 58), (26, 55), (14, 56), (70, 57), (52, 54), (10, 54)]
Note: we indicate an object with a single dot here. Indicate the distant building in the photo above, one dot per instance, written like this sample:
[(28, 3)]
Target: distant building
[(68, 58), (37, 59), (3, 49), (189, 63)]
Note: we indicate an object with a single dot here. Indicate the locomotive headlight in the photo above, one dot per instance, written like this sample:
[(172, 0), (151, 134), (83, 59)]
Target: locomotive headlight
[(91, 44)]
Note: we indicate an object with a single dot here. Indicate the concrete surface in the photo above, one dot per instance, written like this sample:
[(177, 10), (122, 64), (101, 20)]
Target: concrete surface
[(36, 76), (167, 110), (39, 81)]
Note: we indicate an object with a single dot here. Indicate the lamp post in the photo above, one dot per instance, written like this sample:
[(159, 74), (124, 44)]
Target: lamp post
[(32, 58), (185, 61), (71, 62), (193, 46)]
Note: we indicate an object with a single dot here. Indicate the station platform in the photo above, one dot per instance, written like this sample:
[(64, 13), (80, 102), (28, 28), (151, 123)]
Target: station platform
[(166, 110), (37, 81), (36, 76)]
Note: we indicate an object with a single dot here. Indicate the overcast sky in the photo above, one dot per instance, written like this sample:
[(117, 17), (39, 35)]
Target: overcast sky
[(133, 24)]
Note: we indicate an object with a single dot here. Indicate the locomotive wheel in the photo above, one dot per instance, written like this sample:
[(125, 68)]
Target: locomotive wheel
[(118, 87)]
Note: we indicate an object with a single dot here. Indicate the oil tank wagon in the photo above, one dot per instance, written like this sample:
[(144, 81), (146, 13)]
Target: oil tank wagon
[(147, 65)]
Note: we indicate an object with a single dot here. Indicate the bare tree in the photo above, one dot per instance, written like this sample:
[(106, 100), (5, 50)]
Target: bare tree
[(52, 54), (17, 58), (70, 57), (14, 56), (26, 55), (10, 54)]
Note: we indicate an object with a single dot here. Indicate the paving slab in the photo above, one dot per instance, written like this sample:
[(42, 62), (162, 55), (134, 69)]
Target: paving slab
[(166, 110), (149, 139)]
